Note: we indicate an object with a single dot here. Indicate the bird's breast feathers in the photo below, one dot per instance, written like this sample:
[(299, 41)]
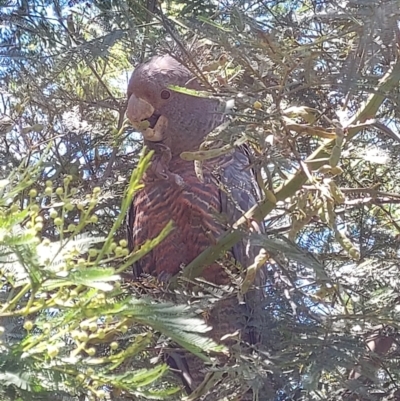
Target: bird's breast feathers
[(191, 204)]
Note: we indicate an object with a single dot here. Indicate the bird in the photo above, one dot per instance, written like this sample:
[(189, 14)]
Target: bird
[(203, 208)]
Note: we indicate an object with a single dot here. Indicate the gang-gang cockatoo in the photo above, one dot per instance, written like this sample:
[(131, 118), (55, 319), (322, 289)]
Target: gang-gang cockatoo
[(178, 122)]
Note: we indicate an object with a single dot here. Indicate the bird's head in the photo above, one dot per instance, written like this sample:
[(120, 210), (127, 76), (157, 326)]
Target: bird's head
[(179, 120)]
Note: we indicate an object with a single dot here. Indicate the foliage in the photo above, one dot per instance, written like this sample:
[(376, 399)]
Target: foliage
[(67, 324), (315, 85)]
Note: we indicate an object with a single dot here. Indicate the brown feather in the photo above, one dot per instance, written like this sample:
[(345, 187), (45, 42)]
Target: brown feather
[(190, 204)]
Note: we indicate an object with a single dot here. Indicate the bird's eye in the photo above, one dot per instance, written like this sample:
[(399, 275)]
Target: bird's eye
[(165, 94)]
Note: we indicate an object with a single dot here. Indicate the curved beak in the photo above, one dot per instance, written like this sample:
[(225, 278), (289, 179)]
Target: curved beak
[(138, 109), (138, 113)]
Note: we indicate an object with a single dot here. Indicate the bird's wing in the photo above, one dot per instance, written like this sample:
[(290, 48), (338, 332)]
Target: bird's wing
[(239, 192)]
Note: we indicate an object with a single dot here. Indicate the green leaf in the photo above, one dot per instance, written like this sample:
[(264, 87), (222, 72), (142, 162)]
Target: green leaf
[(94, 277)]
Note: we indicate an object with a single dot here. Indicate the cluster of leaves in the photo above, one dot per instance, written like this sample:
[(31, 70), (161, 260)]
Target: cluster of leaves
[(316, 90), (67, 326)]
